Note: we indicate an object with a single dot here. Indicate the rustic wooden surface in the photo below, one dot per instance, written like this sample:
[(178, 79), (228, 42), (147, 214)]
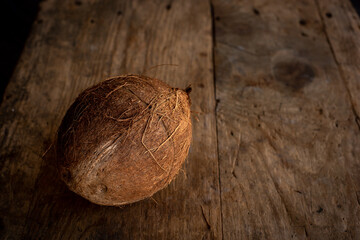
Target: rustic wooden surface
[(288, 130), (276, 138)]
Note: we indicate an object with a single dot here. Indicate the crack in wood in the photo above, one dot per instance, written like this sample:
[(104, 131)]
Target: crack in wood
[(217, 101)]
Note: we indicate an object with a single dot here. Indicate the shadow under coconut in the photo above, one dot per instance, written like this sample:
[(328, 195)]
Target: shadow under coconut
[(58, 212)]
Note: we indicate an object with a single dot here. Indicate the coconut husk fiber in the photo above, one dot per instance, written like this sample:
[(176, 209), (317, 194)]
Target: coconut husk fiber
[(124, 139)]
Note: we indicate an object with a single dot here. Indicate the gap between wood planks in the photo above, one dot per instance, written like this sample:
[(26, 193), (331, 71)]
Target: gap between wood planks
[(212, 14)]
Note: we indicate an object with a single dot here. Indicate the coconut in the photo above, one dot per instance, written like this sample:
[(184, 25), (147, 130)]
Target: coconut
[(124, 139)]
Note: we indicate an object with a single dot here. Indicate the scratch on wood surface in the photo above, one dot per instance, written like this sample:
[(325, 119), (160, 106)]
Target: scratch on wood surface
[(159, 65), (244, 196), (236, 156), (242, 49), (276, 186), (205, 219), (280, 194)]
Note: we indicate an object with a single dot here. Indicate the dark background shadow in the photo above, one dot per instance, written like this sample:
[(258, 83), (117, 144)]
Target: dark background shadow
[(356, 4), (17, 17)]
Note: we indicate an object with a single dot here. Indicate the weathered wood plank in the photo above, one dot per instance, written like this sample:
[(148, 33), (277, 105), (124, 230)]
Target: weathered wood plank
[(289, 145), (73, 45), (342, 29)]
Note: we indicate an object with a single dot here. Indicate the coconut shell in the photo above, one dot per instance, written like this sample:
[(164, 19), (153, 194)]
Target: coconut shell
[(124, 139)]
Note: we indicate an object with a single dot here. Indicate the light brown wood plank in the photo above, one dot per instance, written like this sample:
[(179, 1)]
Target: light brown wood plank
[(289, 145), (73, 45)]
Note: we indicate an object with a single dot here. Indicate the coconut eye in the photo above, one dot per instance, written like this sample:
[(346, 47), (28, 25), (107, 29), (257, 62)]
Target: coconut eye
[(102, 188), (66, 175)]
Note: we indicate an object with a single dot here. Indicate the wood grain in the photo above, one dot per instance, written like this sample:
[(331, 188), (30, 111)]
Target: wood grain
[(289, 143), (73, 45), (342, 30)]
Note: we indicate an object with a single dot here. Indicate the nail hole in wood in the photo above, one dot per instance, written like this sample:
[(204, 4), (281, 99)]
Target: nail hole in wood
[(320, 210), (328, 15), (304, 34), (302, 22)]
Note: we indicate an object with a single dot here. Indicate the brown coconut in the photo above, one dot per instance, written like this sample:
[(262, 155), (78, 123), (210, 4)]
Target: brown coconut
[(124, 139)]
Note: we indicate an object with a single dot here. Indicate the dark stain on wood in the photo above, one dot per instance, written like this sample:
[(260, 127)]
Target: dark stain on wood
[(293, 74)]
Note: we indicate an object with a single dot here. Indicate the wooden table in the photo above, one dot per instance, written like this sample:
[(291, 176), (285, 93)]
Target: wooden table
[(276, 128)]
